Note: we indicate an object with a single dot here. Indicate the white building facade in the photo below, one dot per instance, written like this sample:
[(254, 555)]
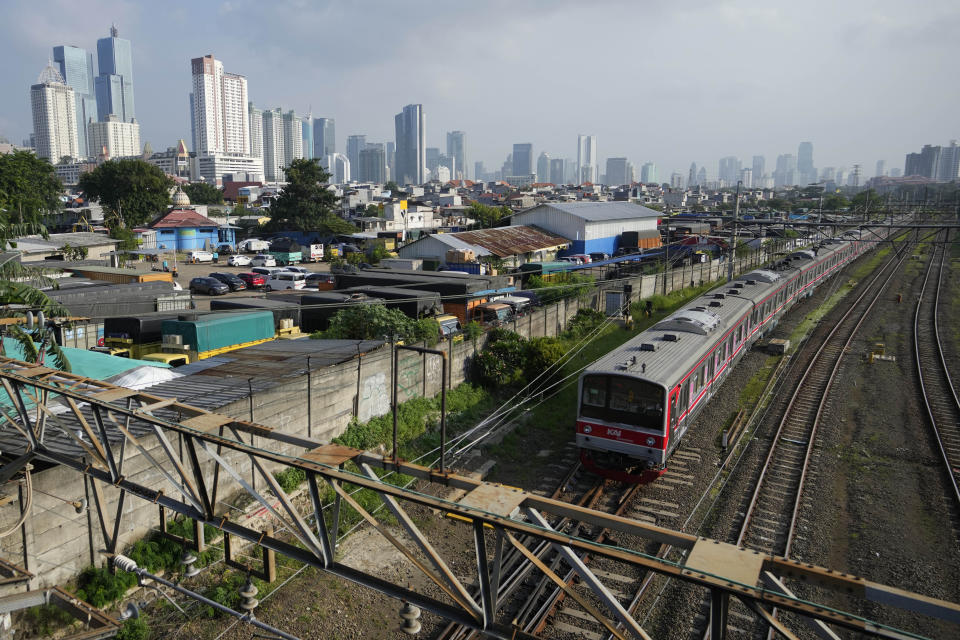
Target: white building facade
[(114, 138), (53, 104)]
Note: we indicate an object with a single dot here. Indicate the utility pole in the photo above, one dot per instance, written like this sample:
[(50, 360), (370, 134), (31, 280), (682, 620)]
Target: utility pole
[(733, 233)]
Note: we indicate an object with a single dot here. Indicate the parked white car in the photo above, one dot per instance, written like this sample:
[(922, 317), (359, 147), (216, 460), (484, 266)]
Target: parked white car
[(263, 260), (238, 261), (283, 280), (200, 256), (293, 269)]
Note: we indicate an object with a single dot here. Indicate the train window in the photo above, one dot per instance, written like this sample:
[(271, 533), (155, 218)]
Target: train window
[(595, 391), (625, 400)]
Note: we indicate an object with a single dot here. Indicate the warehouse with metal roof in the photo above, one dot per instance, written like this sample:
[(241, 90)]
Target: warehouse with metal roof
[(515, 245), (591, 226)]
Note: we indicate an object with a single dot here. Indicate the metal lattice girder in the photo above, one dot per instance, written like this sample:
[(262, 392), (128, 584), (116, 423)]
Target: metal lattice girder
[(711, 565)]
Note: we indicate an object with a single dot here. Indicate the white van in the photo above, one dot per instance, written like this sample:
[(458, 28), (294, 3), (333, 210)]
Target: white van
[(199, 256), (285, 280)]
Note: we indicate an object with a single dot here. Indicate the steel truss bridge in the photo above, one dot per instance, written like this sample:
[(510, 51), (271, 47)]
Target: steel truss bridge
[(93, 427)]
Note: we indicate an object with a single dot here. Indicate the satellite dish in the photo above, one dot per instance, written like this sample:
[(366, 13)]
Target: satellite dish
[(40, 319), (30, 320)]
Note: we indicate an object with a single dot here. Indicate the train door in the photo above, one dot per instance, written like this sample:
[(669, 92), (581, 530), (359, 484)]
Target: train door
[(674, 408)]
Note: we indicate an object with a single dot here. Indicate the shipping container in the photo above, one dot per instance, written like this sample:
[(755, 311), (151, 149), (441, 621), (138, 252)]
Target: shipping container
[(204, 336)]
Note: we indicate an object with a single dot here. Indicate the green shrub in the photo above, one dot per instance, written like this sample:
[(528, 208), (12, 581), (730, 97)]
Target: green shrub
[(560, 285), (584, 322), (290, 478), (541, 354), (99, 587), (501, 364), (426, 330), (472, 331), (134, 629)]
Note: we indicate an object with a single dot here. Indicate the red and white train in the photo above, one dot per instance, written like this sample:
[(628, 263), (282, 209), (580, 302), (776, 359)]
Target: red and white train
[(637, 402)]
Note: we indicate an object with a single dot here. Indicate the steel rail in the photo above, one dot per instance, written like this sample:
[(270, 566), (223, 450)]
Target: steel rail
[(802, 388), (939, 423)]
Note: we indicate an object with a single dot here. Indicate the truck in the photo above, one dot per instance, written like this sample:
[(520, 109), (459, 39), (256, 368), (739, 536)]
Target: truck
[(253, 245), (207, 335), (286, 251)]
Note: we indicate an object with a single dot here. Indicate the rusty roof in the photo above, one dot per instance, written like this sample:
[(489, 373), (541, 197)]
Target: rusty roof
[(511, 241), (182, 218)]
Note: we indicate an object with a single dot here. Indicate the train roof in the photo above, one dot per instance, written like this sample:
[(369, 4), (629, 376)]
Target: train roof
[(678, 342)]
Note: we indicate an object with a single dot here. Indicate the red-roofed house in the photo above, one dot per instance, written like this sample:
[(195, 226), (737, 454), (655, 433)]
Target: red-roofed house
[(187, 230)]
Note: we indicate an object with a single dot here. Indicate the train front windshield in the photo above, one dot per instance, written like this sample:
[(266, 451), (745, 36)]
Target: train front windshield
[(625, 400)]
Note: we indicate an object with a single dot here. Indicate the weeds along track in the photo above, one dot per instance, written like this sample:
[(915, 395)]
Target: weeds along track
[(769, 521), (939, 394)]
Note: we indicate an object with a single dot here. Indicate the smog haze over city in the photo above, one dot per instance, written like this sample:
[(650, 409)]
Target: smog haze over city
[(667, 82)]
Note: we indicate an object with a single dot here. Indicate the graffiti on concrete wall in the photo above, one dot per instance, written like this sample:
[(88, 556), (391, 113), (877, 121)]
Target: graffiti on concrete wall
[(374, 397)]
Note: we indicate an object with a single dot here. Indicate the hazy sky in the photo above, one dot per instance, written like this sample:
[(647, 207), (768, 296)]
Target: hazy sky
[(668, 81)]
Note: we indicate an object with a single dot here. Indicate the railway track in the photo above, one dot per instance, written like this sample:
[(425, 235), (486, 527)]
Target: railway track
[(769, 521), (939, 394)]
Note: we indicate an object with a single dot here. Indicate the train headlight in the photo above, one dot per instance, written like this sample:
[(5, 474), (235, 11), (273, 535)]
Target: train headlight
[(651, 442), (587, 428)]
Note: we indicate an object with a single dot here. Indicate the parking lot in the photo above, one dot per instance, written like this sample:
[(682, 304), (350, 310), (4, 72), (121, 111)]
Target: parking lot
[(185, 272)]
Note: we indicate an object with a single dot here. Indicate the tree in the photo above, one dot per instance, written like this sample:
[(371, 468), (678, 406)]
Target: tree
[(132, 192), (29, 191), (392, 187), (370, 322), (203, 193), (486, 216), (374, 211), (835, 202), (306, 204)]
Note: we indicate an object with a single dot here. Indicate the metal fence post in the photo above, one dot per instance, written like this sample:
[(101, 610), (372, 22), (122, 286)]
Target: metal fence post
[(309, 401)]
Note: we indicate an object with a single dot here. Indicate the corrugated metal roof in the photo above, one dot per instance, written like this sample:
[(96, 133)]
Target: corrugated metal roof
[(511, 241), (265, 365), (597, 211)]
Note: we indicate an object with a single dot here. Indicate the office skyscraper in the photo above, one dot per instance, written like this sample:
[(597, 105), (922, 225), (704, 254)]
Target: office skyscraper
[(759, 169), (523, 160), (292, 137), (543, 167), (220, 109), (479, 171), (881, 168), (373, 164), (324, 138), (786, 171), (273, 151), (411, 145), (338, 165), (648, 173), (729, 171), (255, 121), (307, 142), (805, 170), (586, 158), (391, 151), (54, 108), (618, 172), (691, 178), (76, 69), (355, 144), (433, 158), (558, 171), (457, 149), (702, 176), (114, 85)]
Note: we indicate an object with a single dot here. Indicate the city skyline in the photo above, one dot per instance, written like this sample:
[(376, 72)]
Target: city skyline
[(698, 116)]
